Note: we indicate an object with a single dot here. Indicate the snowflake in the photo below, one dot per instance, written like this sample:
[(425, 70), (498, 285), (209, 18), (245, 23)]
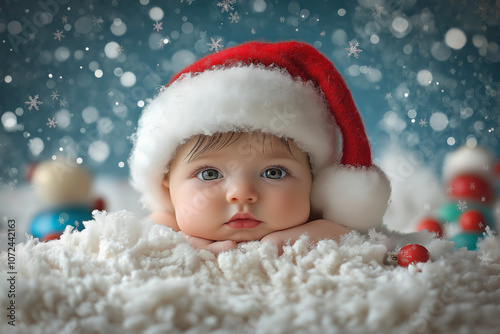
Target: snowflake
[(449, 190), (463, 82), (35, 189), (226, 5), (378, 10), (63, 103), (388, 96), (453, 71), (423, 122), (77, 223), (282, 19), (485, 258), (203, 35), (31, 36), (51, 122), (353, 50), (472, 186), (426, 28), (61, 220), (119, 49), (215, 44), (462, 205), (189, 2), (98, 21), (234, 17), (64, 19), (162, 42), (33, 102), (54, 95), (253, 31), (58, 35), (158, 26), (323, 33), (91, 7)]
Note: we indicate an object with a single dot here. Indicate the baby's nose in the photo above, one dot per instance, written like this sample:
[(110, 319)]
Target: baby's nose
[(242, 190)]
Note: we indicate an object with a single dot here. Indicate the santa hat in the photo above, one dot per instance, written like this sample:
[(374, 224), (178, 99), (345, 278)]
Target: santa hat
[(287, 89)]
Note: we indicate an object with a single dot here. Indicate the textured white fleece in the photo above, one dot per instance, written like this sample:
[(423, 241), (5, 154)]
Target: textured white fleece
[(121, 275)]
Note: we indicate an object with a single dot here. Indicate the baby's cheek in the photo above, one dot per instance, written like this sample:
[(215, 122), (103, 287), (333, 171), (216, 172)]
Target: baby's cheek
[(295, 206)]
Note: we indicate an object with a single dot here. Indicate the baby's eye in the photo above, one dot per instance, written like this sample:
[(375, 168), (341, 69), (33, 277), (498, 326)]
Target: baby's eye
[(274, 173), (209, 174)]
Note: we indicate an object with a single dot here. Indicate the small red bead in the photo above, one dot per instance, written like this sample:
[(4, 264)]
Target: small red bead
[(472, 220), (411, 254), (430, 225)]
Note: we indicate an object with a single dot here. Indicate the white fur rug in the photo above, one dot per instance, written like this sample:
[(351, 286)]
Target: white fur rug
[(123, 275)]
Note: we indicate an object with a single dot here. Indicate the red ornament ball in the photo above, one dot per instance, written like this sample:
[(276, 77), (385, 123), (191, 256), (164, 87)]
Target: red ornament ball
[(52, 236), (470, 187), (473, 221), (430, 225), (411, 254)]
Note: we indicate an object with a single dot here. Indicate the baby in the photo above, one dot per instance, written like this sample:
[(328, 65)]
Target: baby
[(244, 145)]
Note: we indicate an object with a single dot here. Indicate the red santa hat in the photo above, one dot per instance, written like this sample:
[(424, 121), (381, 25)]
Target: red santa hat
[(287, 89)]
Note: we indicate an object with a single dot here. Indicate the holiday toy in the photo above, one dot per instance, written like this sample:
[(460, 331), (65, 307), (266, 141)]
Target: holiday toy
[(408, 255), (469, 186), (65, 188)]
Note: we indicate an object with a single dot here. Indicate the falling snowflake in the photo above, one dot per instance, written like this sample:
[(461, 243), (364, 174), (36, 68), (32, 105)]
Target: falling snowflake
[(98, 21), (63, 103), (423, 122), (189, 2), (234, 17), (215, 44), (35, 189), (323, 33), (449, 190), (54, 95), (353, 50), (282, 19), (51, 122), (64, 19), (158, 26), (463, 82), (485, 258), (33, 102), (77, 223), (378, 10), (253, 31), (91, 7), (58, 35), (462, 205), (61, 221), (119, 49), (388, 96), (472, 186), (425, 28), (31, 37), (162, 42), (226, 5)]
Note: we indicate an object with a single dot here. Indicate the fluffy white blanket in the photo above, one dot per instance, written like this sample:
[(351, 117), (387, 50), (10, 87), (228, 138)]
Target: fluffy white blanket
[(124, 275)]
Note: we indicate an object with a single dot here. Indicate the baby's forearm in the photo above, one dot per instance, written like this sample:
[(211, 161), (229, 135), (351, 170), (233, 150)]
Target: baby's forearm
[(317, 230)]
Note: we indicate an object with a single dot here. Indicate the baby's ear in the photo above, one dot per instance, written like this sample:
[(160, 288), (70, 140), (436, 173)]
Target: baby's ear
[(165, 187)]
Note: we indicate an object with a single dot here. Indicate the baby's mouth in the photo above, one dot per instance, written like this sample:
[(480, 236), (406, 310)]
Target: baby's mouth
[(243, 220)]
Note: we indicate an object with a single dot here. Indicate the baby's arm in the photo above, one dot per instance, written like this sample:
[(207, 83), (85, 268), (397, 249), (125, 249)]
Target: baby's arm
[(216, 247), (316, 230)]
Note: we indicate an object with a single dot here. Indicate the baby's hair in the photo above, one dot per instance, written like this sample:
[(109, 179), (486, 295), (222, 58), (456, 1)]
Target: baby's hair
[(218, 141)]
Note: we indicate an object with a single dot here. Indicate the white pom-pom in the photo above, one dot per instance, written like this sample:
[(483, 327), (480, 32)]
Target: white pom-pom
[(468, 160), (354, 197)]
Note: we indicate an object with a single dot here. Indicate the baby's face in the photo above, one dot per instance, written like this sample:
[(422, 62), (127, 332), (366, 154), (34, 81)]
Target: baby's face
[(241, 192)]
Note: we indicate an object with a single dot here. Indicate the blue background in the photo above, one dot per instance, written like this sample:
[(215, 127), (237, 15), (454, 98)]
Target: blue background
[(403, 43)]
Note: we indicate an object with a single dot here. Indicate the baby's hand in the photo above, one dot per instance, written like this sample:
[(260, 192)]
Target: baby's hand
[(215, 247), (316, 230)]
